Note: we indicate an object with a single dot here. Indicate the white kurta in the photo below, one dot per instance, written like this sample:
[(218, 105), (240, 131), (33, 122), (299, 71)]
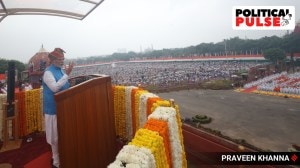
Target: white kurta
[(51, 120)]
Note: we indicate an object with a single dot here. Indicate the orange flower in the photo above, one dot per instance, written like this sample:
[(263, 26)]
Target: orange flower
[(20, 97), (150, 103), (161, 127), (133, 92)]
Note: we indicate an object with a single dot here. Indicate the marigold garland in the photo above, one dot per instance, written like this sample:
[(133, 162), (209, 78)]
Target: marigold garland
[(150, 103), (42, 110), (137, 107), (184, 161), (143, 107), (20, 97), (33, 111), (133, 156), (120, 111), (153, 141), (129, 127), (169, 114), (158, 144), (133, 106), (29, 110), (115, 96), (162, 103), (162, 128), (141, 103)]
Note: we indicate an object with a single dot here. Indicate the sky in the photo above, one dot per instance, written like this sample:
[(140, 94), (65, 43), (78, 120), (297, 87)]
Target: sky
[(129, 25)]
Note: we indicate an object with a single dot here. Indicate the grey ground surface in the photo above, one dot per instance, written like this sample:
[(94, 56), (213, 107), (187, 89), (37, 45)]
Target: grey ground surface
[(266, 122)]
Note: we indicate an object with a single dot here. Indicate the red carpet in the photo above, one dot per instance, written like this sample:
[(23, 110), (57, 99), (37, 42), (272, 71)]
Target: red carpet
[(41, 161), (29, 154)]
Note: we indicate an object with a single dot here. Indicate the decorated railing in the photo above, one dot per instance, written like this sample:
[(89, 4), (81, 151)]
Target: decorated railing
[(150, 126), (156, 126), (29, 104)]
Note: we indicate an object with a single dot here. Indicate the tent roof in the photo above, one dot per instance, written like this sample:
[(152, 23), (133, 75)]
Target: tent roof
[(75, 9)]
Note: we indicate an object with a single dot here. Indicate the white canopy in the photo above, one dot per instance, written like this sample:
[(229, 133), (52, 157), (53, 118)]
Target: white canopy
[(75, 9)]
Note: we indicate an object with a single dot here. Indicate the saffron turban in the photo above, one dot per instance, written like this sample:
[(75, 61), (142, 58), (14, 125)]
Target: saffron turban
[(57, 53)]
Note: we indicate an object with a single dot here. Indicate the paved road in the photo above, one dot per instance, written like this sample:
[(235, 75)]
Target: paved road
[(267, 122)]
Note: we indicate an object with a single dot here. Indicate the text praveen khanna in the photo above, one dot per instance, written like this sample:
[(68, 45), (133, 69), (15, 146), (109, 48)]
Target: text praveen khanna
[(251, 158)]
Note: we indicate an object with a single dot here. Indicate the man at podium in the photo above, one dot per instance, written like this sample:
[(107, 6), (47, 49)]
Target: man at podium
[(55, 79)]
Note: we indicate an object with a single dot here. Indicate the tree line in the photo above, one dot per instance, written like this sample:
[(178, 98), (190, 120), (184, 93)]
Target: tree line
[(274, 48), (18, 65), (289, 43)]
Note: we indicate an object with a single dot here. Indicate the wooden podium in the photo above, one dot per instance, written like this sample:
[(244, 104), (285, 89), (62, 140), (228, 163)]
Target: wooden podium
[(85, 121)]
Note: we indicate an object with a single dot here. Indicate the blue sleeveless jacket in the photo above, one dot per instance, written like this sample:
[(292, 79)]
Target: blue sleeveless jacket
[(49, 104)]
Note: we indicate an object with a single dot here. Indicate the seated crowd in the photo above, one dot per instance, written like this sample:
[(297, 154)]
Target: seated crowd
[(164, 73), (280, 82)]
